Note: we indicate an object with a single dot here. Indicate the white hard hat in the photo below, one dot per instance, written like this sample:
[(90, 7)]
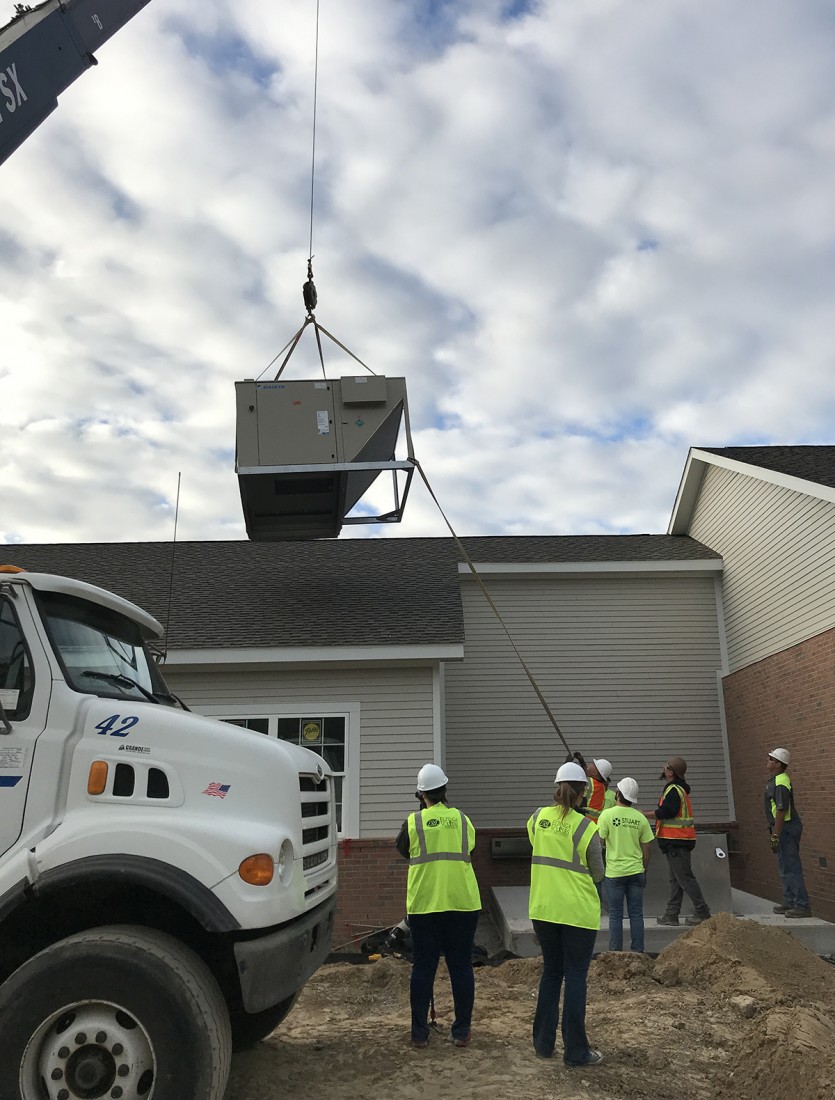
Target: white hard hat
[(430, 778), (604, 767), (629, 789), (570, 773), (783, 755)]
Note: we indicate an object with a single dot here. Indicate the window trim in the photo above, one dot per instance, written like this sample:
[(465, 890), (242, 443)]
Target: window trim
[(306, 708)]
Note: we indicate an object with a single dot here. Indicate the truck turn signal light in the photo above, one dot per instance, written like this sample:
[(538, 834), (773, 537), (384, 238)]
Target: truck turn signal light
[(97, 779), (257, 870)]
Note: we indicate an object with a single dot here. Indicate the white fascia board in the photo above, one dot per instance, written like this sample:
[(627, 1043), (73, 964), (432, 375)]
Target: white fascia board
[(691, 481), (315, 655), (688, 491), (577, 568)]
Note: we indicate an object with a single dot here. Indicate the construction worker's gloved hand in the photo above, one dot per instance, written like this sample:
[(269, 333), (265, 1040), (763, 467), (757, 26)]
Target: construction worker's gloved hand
[(579, 759), (775, 842)]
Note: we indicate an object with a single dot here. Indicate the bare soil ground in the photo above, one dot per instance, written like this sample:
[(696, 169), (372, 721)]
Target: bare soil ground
[(730, 1009)]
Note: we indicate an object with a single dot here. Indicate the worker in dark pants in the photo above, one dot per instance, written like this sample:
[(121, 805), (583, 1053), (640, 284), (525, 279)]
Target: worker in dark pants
[(786, 828), (564, 908), (442, 903), (675, 831)]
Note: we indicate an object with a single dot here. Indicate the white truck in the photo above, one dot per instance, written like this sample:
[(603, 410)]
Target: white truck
[(167, 881)]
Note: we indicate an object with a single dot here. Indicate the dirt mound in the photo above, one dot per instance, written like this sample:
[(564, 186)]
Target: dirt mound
[(790, 1054), (736, 956), (621, 971), (512, 974)]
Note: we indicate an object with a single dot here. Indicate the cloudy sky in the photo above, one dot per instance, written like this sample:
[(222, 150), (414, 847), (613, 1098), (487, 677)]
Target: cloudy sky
[(589, 234)]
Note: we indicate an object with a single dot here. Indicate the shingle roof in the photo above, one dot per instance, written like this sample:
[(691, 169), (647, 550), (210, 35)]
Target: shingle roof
[(349, 592), (816, 464)]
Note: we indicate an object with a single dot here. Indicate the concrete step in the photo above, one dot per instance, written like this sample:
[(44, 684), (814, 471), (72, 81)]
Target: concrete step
[(509, 911)]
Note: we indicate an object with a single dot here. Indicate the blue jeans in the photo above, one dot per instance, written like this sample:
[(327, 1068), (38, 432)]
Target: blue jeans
[(632, 887), (450, 934), (566, 955), (790, 867)]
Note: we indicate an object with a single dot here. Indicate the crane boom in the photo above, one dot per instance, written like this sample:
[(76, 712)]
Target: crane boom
[(43, 50)]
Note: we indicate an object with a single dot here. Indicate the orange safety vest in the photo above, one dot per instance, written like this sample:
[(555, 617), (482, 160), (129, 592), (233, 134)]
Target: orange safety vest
[(680, 827), (595, 797)]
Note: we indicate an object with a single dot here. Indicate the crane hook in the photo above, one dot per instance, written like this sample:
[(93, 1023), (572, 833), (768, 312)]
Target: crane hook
[(309, 290)]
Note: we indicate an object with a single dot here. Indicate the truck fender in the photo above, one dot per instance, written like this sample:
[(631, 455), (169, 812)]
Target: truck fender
[(171, 882)]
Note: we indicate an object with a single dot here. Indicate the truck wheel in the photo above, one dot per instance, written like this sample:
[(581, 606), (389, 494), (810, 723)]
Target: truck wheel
[(114, 1012), (249, 1028)]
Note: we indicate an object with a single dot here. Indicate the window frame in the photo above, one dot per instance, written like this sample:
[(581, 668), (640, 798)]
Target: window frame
[(307, 709), (21, 713)]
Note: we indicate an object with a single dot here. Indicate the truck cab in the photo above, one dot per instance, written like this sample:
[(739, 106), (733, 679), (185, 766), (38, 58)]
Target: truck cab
[(167, 881)]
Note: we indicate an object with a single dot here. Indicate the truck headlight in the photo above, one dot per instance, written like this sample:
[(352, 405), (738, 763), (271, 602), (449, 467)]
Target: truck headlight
[(285, 862)]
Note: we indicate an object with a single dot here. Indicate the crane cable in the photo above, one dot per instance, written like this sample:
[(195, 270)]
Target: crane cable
[(309, 289), (496, 611)]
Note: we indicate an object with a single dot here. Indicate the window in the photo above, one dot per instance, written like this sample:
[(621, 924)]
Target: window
[(260, 725), (329, 733), (16, 680)]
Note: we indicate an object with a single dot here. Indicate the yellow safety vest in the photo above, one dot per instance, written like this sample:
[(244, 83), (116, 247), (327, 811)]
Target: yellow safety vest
[(781, 779), (562, 889), (441, 876)]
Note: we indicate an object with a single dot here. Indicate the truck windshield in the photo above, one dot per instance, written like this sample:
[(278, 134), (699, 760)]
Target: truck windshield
[(101, 651)]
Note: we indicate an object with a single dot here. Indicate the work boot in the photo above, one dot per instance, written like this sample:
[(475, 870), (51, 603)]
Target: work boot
[(667, 920), (696, 919), (798, 912), (780, 909)]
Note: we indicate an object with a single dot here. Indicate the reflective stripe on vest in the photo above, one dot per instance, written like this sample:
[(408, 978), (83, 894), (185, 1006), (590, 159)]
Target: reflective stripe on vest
[(430, 857), (680, 827), (576, 863)]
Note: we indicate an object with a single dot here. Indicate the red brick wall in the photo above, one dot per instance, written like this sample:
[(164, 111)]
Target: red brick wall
[(786, 700)]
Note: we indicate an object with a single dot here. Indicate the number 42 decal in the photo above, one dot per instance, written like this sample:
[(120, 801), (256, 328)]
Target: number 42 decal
[(109, 727)]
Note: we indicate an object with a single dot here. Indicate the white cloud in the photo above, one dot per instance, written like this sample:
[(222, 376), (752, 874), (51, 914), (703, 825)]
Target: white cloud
[(588, 237)]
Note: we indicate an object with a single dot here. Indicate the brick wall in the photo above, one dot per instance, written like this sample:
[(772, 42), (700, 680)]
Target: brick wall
[(786, 700)]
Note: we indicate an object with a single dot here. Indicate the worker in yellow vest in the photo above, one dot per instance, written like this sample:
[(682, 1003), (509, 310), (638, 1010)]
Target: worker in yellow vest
[(675, 831), (786, 829), (565, 910), (442, 903)]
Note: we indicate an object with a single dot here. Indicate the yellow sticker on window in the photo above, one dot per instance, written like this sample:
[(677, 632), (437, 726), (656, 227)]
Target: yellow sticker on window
[(311, 731)]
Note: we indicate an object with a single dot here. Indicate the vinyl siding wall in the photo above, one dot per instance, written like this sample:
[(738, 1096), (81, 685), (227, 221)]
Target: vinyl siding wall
[(629, 666), (777, 546), (395, 718)]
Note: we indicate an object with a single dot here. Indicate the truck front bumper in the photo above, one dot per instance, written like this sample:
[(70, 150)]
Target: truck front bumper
[(273, 967)]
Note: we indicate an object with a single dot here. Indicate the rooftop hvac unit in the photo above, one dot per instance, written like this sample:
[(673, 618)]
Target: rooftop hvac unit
[(307, 452)]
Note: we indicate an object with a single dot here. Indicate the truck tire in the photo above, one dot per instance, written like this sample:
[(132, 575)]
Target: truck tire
[(114, 1012), (249, 1028)]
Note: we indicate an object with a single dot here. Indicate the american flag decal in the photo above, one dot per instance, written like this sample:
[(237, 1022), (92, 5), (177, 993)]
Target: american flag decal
[(217, 790)]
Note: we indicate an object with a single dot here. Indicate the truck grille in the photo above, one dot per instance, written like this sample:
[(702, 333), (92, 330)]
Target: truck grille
[(316, 797)]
